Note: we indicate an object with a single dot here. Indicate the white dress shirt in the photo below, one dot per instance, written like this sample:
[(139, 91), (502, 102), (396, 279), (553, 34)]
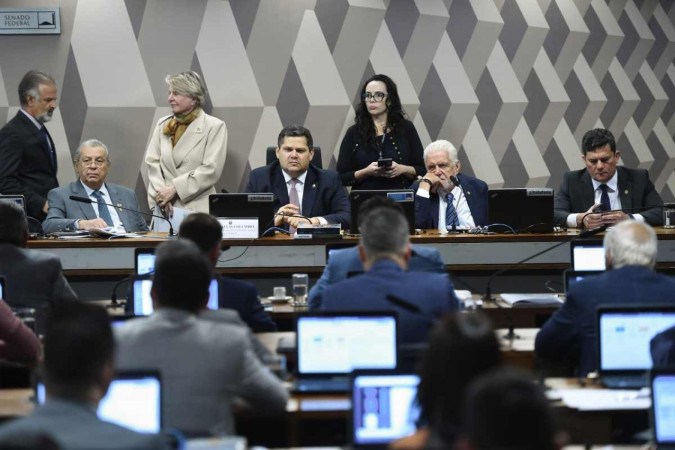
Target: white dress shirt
[(461, 206), (300, 188)]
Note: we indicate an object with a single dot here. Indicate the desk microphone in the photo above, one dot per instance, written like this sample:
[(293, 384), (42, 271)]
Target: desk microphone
[(77, 198)]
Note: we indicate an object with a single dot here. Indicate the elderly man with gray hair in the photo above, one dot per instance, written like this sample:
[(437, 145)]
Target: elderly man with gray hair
[(92, 162), (447, 199), (630, 255), (419, 298)]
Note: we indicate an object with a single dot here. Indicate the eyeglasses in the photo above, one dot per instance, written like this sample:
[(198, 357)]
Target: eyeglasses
[(374, 96), (442, 166), (96, 162)]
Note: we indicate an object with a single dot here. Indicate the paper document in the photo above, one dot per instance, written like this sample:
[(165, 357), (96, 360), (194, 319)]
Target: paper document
[(531, 299), (162, 226), (603, 399)]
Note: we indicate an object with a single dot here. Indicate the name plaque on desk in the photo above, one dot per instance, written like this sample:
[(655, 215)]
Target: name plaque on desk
[(239, 228)]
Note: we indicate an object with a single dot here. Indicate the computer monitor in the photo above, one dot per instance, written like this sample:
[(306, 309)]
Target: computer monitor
[(521, 210), (404, 197), (261, 206), (140, 303), (18, 199), (587, 255), (663, 406)]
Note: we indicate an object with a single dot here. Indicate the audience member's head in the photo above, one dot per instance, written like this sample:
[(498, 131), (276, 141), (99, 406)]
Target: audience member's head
[(461, 347), (630, 243), (182, 276), (505, 410), (14, 225), (384, 235), (205, 231), (78, 352), (375, 202)]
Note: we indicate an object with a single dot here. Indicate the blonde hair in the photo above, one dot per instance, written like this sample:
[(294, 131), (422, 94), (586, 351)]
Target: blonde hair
[(187, 83)]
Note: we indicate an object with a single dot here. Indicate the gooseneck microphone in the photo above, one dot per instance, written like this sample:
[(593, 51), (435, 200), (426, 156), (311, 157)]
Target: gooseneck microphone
[(77, 198)]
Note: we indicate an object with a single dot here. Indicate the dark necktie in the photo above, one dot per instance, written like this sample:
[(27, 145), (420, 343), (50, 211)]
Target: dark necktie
[(604, 198), (103, 212), (451, 218), (294, 199), (45, 136)]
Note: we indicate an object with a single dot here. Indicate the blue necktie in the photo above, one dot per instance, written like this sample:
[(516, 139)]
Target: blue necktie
[(604, 198), (103, 212), (450, 212), (45, 136)]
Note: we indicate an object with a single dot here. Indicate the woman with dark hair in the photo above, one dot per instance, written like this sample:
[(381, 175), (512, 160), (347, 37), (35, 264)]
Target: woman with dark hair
[(461, 348), (382, 150)]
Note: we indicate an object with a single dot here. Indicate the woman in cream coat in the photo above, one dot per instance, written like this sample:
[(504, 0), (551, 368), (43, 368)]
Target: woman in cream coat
[(187, 151)]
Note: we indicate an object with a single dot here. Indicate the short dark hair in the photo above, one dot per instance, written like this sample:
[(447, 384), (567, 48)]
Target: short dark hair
[(29, 84), (596, 139), (461, 347), (384, 232), (374, 202), (78, 344), (182, 275), (202, 229), (14, 224), (295, 131), (508, 393)]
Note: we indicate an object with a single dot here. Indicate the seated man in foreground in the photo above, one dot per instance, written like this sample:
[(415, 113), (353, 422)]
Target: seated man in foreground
[(302, 192), (630, 256), (204, 364), (92, 163), (384, 249)]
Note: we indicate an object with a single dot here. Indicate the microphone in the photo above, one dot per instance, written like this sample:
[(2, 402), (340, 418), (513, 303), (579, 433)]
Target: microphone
[(77, 198)]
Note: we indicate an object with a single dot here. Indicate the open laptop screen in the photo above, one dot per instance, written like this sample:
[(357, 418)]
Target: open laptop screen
[(142, 301), (337, 344), (384, 407), (144, 261), (663, 406), (133, 400), (587, 255)]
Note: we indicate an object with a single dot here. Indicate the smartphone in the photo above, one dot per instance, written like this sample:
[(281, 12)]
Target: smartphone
[(384, 162)]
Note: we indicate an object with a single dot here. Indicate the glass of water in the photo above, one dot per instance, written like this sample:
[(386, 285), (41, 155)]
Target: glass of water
[(300, 282)]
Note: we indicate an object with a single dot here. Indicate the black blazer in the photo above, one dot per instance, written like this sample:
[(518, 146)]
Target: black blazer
[(26, 166), (636, 190)]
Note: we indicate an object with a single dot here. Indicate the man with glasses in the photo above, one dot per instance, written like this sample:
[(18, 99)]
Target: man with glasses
[(604, 194), (445, 198), (91, 164)]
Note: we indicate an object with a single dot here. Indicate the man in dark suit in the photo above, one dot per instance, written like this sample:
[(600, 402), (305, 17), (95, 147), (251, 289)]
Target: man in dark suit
[(604, 194), (630, 254), (92, 162), (205, 231), (27, 152), (419, 298), (439, 203), (302, 192)]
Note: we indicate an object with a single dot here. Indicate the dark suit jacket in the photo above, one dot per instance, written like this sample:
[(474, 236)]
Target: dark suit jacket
[(571, 332), (576, 195), (476, 191), (25, 164), (63, 211), (432, 293), (243, 298), (662, 348), (323, 193)]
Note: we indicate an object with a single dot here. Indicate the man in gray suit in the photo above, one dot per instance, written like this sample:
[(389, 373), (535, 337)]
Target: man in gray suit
[(204, 364), (92, 163), (78, 368), (32, 278)]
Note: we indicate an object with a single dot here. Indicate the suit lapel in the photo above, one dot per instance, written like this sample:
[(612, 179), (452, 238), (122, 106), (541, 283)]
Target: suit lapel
[(587, 192), (435, 202), (188, 142), (117, 201), (624, 187), (38, 135), (86, 208), (309, 194), (279, 187)]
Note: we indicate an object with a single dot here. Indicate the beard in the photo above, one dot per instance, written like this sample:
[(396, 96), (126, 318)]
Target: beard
[(45, 116)]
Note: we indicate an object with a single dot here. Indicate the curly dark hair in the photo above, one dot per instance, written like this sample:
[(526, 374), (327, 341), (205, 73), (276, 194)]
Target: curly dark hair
[(597, 138), (395, 114)]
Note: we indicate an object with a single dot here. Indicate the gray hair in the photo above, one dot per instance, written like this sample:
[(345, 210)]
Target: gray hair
[(189, 84), (30, 83), (631, 243), (384, 233), (90, 143), (442, 145), (14, 224)]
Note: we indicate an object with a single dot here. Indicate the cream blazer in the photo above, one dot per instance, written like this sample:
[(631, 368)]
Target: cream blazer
[(193, 167)]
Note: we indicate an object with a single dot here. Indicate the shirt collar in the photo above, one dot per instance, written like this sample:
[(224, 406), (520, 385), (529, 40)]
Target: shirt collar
[(288, 178), (103, 191), (38, 124), (612, 184)]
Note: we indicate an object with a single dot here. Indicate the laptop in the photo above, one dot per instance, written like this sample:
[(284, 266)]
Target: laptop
[(261, 206), (144, 261), (662, 411), (384, 407), (331, 345), (587, 255), (133, 400), (521, 210), (624, 335), (404, 197), (572, 277), (140, 301)]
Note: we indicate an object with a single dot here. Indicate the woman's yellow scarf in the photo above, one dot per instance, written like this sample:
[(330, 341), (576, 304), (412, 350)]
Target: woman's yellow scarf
[(179, 123)]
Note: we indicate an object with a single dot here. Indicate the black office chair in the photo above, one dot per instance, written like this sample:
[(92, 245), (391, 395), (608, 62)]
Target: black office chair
[(316, 160)]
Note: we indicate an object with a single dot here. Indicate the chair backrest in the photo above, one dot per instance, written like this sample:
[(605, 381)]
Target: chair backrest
[(316, 160)]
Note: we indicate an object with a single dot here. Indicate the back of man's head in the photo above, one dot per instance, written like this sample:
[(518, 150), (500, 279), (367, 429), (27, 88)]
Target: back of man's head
[(384, 233), (202, 229), (494, 399), (182, 276), (630, 243), (375, 202), (78, 347), (14, 225)]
